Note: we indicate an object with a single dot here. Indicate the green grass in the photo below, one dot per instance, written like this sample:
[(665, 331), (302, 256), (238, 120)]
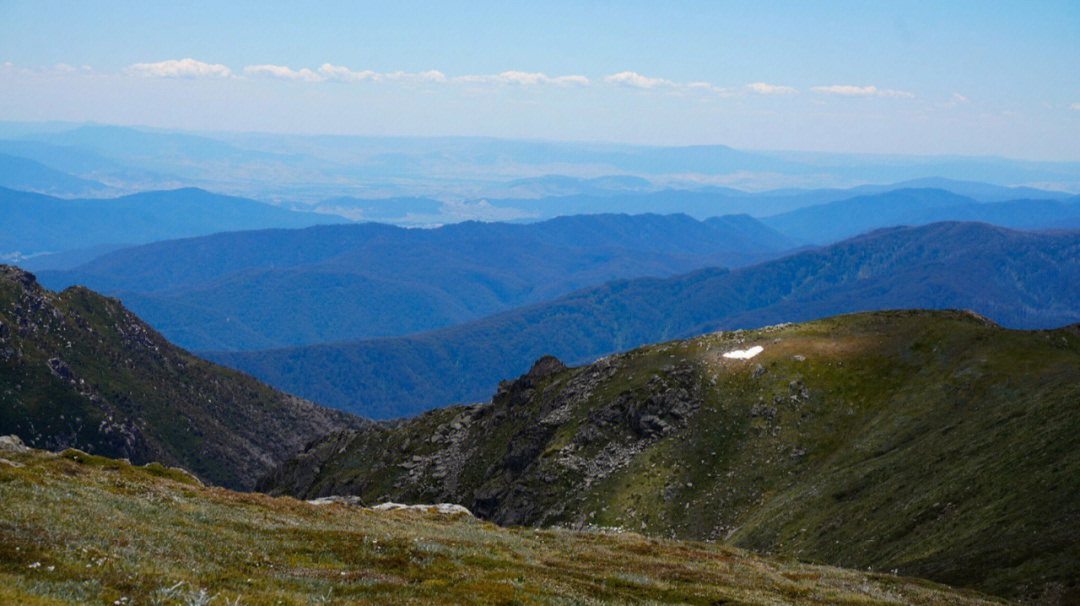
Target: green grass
[(932, 443), (84, 529)]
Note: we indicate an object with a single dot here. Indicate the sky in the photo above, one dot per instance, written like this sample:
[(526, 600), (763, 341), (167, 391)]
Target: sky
[(970, 78)]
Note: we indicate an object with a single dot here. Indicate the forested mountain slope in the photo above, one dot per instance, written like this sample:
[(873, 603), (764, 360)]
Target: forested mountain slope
[(1019, 279)]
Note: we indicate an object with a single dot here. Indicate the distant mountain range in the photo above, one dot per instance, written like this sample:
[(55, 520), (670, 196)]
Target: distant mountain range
[(711, 201), (311, 169), (273, 288), (1020, 279), (28, 175), (824, 223), (932, 444), (37, 223), (78, 370)]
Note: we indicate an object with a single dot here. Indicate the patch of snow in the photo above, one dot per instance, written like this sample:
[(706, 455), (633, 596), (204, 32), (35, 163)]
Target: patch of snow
[(744, 354)]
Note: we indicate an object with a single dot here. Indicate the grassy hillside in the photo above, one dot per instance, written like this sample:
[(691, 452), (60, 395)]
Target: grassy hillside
[(77, 369), (936, 444), (276, 288), (1020, 279), (81, 529)]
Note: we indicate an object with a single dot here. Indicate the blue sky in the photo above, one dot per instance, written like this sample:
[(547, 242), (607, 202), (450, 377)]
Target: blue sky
[(918, 77)]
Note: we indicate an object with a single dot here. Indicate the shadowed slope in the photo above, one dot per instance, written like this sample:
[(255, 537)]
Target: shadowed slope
[(78, 370)]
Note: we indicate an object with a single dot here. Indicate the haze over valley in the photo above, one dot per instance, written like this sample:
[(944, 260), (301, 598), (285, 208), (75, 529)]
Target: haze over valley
[(558, 303)]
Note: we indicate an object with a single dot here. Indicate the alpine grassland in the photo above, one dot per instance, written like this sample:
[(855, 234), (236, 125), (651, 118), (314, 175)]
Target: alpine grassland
[(80, 529)]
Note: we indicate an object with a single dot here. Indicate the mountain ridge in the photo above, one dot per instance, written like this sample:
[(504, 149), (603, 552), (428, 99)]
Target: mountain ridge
[(231, 291), (78, 370), (928, 443), (832, 221), (135, 218), (1020, 279)]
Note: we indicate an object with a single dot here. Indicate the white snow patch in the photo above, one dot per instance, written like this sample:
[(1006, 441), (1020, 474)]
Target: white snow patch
[(744, 354)]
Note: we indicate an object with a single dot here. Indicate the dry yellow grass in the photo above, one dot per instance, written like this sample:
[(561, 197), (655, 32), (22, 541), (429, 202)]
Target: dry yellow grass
[(84, 529)]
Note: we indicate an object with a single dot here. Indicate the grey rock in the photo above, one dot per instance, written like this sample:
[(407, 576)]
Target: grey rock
[(12, 443)]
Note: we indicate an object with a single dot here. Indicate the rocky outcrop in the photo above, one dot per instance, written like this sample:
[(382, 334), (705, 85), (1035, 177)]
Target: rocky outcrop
[(12, 444), (930, 443)]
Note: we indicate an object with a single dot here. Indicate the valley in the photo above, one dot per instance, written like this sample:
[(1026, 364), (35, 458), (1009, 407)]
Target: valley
[(1019, 279)]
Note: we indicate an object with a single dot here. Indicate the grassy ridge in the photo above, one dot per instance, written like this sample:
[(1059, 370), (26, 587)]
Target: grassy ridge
[(933, 443), (85, 529)]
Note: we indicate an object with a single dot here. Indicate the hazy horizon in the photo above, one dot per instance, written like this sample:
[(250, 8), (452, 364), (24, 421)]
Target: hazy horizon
[(920, 79)]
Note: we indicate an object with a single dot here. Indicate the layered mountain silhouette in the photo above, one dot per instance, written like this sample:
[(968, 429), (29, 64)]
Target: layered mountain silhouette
[(1019, 279), (78, 223), (272, 288), (834, 221)]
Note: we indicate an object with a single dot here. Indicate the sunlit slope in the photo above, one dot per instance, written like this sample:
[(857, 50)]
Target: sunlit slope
[(933, 443)]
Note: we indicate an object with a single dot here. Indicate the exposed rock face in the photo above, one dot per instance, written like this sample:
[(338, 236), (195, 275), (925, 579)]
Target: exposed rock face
[(496, 457)]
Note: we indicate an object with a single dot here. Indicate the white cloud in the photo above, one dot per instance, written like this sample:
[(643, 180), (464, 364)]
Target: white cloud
[(636, 80), (337, 73), (769, 89), (861, 91), (571, 80), (1075, 106), (64, 68), (184, 68), (956, 101), (707, 86), (344, 74), (282, 72), (432, 75), (523, 79)]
